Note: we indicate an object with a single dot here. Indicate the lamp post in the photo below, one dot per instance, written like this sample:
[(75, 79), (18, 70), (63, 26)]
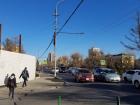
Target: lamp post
[(55, 32)]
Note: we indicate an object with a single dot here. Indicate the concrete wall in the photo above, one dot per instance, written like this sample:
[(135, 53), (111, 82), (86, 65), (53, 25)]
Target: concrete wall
[(11, 62)]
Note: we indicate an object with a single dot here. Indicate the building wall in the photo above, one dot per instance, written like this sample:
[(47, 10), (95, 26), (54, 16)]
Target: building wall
[(124, 59), (11, 62), (94, 50), (51, 57)]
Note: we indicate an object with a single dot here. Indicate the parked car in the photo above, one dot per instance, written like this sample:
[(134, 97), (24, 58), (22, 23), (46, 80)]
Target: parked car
[(127, 76), (83, 75), (69, 70), (106, 74), (74, 70), (53, 70), (136, 79), (62, 69)]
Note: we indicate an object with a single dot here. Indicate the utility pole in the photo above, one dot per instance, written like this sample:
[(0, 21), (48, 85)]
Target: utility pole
[(55, 32), (20, 43), (0, 35)]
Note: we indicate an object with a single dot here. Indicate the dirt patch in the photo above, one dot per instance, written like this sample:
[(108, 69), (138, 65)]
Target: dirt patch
[(54, 79)]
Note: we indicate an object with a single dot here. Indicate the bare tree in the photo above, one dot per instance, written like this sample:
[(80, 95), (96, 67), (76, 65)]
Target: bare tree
[(12, 45), (134, 37), (93, 59), (9, 45), (76, 60), (63, 60)]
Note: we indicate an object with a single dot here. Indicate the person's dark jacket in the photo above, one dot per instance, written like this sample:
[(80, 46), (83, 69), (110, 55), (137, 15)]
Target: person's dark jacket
[(11, 82), (24, 74)]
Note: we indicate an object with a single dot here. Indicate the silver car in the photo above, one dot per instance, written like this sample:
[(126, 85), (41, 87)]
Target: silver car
[(110, 75)]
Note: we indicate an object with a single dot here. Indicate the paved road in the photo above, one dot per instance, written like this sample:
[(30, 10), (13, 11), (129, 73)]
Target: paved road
[(73, 93), (100, 93)]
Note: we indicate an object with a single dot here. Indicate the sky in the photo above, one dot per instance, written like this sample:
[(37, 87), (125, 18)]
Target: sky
[(104, 23)]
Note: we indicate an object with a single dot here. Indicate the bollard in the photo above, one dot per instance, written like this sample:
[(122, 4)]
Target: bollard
[(118, 100), (64, 84), (59, 100)]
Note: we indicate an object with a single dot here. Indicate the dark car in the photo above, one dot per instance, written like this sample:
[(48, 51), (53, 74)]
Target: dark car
[(62, 69)]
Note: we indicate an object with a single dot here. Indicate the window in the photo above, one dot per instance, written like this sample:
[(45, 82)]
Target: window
[(130, 72)]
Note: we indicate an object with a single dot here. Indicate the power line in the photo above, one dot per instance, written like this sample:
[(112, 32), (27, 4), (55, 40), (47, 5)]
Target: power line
[(70, 16), (46, 49), (72, 33), (62, 28)]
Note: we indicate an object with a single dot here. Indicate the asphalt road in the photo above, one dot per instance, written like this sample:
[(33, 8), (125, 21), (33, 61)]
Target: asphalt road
[(98, 93)]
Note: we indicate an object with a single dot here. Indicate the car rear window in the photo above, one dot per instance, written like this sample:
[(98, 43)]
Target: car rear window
[(130, 72)]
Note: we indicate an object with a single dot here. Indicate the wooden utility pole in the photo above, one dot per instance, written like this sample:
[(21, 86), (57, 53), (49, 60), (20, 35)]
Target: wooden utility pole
[(20, 43), (0, 36)]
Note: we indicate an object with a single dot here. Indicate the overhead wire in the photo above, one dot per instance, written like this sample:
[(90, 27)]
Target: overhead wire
[(61, 28)]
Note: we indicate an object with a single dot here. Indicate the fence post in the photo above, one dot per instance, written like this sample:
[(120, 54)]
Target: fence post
[(59, 100), (118, 100)]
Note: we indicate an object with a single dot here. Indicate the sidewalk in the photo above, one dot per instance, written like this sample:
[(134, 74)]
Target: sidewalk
[(44, 83)]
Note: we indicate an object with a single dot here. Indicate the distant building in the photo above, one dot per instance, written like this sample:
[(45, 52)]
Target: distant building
[(124, 60), (137, 64), (51, 57), (94, 50)]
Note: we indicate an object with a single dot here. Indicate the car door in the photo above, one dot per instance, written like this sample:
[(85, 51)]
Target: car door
[(129, 75), (138, 77)]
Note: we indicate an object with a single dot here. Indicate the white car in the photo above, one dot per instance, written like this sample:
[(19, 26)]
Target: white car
[(127, 76), (136, 79), (53, 70)]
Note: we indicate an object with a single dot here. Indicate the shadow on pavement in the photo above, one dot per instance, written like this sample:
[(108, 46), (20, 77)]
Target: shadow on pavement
[(72, 97), (54, 80), (2, 98), (128, 94), (131, 99), (113, 86)]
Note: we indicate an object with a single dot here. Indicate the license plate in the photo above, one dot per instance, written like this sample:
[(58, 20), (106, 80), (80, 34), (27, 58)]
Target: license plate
[(87, 78)]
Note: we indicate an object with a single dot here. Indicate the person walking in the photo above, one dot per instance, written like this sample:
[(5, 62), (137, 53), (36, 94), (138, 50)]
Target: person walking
[(6, 79), (25, 76), (11, 84)]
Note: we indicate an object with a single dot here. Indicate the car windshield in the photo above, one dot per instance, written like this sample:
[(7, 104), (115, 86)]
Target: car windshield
[(108, 71)]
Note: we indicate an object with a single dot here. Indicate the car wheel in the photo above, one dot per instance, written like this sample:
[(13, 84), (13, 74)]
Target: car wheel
[(77, 80), (92, 81), (125, 79), (136, 83)]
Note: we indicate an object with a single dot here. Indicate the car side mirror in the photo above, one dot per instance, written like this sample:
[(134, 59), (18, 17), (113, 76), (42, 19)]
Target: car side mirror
[(102, 72)]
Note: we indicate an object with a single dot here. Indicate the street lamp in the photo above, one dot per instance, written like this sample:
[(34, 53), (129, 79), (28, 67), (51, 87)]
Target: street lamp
[(55, 32)]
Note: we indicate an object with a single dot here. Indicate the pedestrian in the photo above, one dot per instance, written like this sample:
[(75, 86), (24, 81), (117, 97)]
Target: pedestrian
[(25, 76), (6, 79), (11, 84)]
